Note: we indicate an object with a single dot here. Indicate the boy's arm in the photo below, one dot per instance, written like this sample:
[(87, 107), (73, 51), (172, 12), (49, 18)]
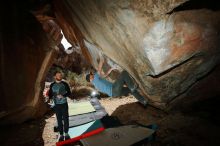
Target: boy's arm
[(68, 92), (99, 70), (50, 92), (104, 75)]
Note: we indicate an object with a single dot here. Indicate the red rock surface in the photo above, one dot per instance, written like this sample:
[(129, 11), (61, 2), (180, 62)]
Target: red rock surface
[(26, 55), (164, 53)]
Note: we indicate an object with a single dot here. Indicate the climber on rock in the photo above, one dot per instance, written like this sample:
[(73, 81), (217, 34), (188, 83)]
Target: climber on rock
[(59, 91), (117, 88)]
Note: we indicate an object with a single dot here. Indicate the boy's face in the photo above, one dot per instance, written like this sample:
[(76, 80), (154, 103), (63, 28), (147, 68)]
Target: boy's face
[(58, 77), (91, 77)]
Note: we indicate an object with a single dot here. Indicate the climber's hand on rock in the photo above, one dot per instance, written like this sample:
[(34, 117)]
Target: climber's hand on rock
[(101, 57), (114, 68)]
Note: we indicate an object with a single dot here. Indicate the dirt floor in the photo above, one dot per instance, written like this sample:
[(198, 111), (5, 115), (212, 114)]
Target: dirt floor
[(197, 125)]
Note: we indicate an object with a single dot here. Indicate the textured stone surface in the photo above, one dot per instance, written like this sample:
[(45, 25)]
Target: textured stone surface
[(25, 57), (71, 60), (68, 57), (165, 54)]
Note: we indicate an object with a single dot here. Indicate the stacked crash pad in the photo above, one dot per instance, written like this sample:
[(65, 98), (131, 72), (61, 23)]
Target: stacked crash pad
[(90, 124), (83, 120), (83, 112)]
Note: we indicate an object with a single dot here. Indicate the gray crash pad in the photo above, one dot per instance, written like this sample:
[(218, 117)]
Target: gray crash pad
[(79, 119), (119, 136)]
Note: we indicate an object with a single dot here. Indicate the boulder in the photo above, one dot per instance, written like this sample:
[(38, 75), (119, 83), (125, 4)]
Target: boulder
[(166, 53), (26, 55)]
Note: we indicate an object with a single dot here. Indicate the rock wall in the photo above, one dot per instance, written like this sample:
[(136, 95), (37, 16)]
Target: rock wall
[(26, 55), (67, 58), (165, 53)]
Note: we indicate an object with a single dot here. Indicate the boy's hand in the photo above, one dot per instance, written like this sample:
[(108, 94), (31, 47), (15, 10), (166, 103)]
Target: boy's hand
[(59, 96)]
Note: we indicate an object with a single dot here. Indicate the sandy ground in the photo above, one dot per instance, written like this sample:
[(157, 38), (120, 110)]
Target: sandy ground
[(196, 126)]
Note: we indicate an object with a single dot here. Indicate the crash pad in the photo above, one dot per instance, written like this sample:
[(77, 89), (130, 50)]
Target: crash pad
[(82, 131), (119, 136), (76, 120), (76, 108), (84, 118)]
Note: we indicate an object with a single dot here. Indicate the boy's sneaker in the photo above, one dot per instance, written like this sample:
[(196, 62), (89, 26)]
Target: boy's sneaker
[(67, 136), (60, 138)]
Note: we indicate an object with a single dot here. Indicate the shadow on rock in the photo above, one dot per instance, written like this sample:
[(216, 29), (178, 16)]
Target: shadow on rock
[(197, 126), (27, 134)]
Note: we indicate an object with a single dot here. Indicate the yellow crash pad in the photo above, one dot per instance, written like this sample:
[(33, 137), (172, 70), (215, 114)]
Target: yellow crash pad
[(80, 108)]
